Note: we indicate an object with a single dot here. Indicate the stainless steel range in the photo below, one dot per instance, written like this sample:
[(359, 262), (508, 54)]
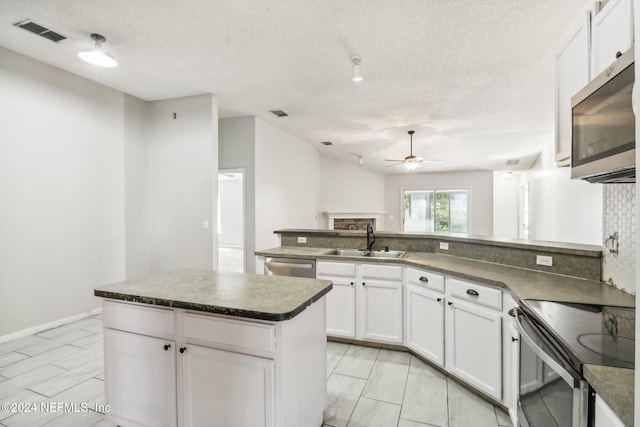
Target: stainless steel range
[(556, 340)]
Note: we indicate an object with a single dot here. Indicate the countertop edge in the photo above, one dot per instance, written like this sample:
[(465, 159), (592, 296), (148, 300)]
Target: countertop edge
[(235, 312)]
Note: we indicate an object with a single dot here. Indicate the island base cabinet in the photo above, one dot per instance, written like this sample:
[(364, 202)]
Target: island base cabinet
[(140, 379), (221, 385), (474, 346)]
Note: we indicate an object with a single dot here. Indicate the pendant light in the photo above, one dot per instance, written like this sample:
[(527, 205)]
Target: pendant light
[(96, 55)]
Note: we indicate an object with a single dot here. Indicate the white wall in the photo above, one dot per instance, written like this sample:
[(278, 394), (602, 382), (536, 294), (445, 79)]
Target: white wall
[(348, 188), (479, 184), (287, 184), (136, 173), (237, 151), (183, 172), (506, 205), (62, 220), (563, 209), (231, 209)]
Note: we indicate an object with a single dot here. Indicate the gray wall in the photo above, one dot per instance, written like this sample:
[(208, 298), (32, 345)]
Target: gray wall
[(62, 220)]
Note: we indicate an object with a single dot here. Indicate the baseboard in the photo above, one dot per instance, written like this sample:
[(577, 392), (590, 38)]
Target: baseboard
[(45, 326)]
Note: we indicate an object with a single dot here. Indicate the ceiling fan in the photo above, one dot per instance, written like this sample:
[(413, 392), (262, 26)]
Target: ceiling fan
[(410, 162)]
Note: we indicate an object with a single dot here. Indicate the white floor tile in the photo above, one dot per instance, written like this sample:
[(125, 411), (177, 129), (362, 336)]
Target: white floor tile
[(357, 361), (394, 356), (387, 382), (343, 393), (23, 396), (58, 341), (23, 381), (20, 343), (421, 368), (67, 379), (425, 400), (42, 359), (407, 423), (12, 357), (373, 413), (337, 348), (467, 408)]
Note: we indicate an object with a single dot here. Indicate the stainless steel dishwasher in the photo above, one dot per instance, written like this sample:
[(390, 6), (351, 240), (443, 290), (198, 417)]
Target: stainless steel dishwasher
[(290, 267)]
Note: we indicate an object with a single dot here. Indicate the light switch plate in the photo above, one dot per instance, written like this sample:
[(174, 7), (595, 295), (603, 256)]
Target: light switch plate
[(544, 260), (302, 240), (205, 225), (444, 246)]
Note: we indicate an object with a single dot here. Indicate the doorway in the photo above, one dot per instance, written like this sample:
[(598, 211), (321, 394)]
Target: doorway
[(231, 219)]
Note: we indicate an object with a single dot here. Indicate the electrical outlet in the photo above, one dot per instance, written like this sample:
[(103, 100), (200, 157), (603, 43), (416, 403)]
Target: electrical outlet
[(544, 260), (205, 225), (302, 240), (444, 246)]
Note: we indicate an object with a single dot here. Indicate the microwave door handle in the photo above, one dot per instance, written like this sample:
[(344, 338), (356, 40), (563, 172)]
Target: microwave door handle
[(566, 376)]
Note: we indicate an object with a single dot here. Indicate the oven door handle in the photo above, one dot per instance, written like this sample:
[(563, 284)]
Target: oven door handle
[(546, 358)]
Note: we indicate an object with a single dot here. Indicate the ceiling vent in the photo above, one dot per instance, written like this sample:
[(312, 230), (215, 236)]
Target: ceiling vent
[(31, 26), (327, 143), (513, 162), (279, 113)]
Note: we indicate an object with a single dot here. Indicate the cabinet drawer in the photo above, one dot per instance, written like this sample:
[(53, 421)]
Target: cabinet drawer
[(426, 279), (345, 269), (250, 336), (138, 318), (382, 272), (475, 293)]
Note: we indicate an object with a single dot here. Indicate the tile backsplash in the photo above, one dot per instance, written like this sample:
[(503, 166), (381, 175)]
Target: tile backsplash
[(619, 207)]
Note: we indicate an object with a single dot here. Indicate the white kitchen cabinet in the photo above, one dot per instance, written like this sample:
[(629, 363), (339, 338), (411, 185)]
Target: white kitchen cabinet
[(612, 33), (366, 303), (572, 74), (424, 313), (204, 367), (605, 417), (221, 385), (140, 379), (341, 301), (473, 334)]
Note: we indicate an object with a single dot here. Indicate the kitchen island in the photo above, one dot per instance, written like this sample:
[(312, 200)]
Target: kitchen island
[(193, 347)]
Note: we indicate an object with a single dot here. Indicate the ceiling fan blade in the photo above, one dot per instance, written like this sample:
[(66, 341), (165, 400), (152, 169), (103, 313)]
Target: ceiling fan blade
[(389, 160), (395, 164)]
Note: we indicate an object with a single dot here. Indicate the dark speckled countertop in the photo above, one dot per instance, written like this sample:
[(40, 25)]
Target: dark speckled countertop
[(610, 383), (253, 296)]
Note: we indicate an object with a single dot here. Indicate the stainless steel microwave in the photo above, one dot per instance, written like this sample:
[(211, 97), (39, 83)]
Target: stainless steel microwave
[(603, 127)]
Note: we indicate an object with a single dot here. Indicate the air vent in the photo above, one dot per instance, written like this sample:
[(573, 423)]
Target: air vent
[(279, 113), (31, 26), (513, 162), (327, 143)]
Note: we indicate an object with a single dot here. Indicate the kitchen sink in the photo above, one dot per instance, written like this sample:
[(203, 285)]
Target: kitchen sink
[(386, 254), (365, 253)]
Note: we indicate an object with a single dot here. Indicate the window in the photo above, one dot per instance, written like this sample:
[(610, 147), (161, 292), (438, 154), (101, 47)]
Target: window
[(435, 210)]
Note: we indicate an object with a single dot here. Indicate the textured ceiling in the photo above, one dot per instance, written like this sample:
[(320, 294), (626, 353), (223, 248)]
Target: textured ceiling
[(473, 78)]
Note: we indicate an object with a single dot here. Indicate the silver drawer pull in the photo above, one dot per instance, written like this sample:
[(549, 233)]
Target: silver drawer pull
[(472, 292)]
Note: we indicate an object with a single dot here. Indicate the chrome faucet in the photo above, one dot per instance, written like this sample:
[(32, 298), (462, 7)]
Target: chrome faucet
[(371, 238)]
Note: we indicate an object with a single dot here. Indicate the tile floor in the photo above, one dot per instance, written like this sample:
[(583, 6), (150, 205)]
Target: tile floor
[(367, 387)]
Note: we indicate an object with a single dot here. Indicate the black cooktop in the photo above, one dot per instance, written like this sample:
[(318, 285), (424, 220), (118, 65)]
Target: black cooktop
[(593, 334)]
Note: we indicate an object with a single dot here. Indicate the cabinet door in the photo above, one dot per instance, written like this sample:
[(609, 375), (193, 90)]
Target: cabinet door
[(380, 311), (425, 323), (219, 387), (612, 33), (572, 72), (474, 345), (140, 379), (341, 307)]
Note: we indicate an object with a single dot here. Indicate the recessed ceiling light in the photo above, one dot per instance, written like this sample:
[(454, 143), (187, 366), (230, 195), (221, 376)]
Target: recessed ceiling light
[(279, 113), (96, 55)]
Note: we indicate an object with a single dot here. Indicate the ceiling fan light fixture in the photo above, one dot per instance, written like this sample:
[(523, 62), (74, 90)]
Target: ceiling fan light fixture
[(412, 164), (357, 73), (97, 55)]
